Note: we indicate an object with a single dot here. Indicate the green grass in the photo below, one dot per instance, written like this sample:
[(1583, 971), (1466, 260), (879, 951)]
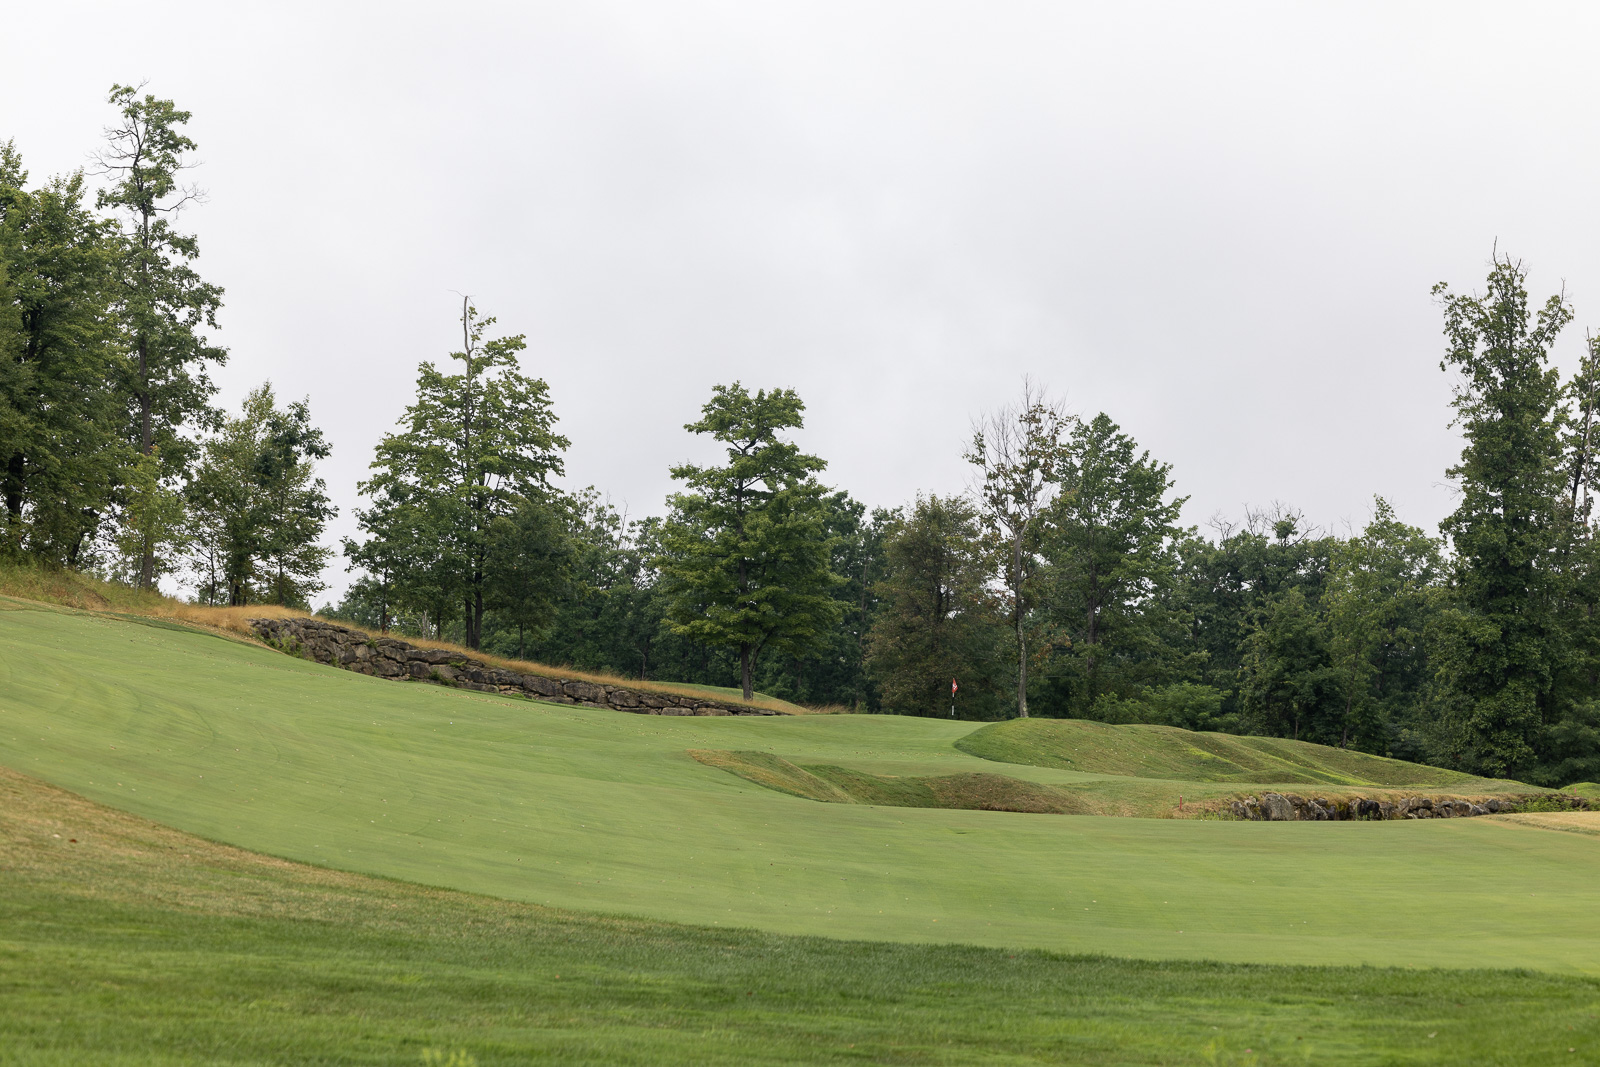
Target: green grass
[(606, 812), (1166, 752), (126, 943), (841, 785)]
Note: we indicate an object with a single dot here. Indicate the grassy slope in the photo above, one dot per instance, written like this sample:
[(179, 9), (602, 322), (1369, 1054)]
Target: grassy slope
[(73, 589), (1150, 771), (123, 942), (605, 811), (1166, 752)]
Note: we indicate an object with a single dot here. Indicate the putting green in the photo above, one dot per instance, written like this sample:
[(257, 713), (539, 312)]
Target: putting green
[(603, 811)]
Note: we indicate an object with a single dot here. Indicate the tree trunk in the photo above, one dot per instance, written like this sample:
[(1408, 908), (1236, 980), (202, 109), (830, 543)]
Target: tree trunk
[(1022, 641), (474, 621), (13, 495), (147, 559), (744, 671), (1022, 671)]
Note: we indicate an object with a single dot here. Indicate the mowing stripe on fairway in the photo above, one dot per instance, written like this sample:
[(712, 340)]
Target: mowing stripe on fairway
[(604, 811)]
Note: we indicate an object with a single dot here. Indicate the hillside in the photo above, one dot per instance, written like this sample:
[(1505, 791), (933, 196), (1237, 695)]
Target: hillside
[(604, 811), (73, 589), (1166, 752)]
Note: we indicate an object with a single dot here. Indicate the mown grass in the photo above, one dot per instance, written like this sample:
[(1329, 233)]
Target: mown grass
[(1109, 793), (973, 791), (1166, 752), (72, 589), (123, 942), (604, 811)]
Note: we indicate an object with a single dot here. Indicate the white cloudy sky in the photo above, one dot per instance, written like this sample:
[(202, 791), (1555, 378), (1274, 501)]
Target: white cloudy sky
[(1217, 222)]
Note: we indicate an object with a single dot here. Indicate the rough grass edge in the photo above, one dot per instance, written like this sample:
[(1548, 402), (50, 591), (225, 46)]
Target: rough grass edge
[(82, 592)]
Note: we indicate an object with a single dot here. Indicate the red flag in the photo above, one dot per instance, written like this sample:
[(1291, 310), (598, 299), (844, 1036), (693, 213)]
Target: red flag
[(953, 687)]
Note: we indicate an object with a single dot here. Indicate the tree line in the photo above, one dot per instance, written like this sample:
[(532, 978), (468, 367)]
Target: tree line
[(1063, 583), (115, 459)]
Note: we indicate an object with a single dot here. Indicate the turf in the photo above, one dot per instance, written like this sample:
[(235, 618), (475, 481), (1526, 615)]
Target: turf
[(1166, 752), (841, 785), (126, 943), (604, 811)]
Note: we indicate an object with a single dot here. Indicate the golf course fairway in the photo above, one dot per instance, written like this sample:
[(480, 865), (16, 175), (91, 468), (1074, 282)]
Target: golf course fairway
[(604, 812)]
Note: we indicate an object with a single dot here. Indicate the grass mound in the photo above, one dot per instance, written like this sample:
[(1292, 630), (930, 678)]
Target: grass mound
[(1587, 790), (126, 942), (773, 772), (1167, 752), (973, 791)]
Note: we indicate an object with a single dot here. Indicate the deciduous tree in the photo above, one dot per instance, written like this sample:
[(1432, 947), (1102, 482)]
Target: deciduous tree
[(1508, 528), (1018, 451), (163, 302), (936, 624), (473, 448), (61, 449), (745, 557), (1111, 544)]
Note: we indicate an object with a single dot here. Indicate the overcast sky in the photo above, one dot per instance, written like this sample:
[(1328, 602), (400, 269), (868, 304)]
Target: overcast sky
[(1218, 223)]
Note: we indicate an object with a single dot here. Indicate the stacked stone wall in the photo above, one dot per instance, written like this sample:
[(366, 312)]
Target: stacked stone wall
[(1290, 807), (388, 657)]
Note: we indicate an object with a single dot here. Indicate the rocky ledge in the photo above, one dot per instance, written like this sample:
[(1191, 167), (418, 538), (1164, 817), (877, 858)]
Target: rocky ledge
[(387, 657), (1289, 807)]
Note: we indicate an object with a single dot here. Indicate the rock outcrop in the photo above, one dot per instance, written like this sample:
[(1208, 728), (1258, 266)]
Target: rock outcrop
[(387, 657), (1290, 807)]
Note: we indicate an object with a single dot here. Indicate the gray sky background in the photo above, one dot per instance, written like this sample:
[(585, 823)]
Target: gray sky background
[(1216, 222)]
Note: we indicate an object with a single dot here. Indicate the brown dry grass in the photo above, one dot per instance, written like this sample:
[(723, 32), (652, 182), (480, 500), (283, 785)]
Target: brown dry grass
[(85, 593), (1573, 822)]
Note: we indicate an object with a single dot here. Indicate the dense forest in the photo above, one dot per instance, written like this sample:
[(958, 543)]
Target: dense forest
[(1062, 584)]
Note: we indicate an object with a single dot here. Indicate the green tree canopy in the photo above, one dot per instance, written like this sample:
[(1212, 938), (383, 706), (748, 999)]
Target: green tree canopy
[(473, 449), (936, 623), (1508, 529), (745, 556), (62, 454), (1111, 544), (163, 303), (1018, 451), (1380, 596), (258, 507)]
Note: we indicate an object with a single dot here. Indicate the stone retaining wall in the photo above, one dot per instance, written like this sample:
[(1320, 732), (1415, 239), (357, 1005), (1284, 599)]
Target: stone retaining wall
[(1289, 807), (387, 657)]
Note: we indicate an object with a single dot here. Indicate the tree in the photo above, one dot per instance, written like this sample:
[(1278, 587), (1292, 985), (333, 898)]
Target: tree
[(1378, 602), (936, 624), (745, 553), (163, 302), (603, 616), (62, 455), (833, 672), (530, 566), (1018, 453), (1508, 528), (1223, 588), (1111, 546), (475, 447), (259, 508), (1289, 685)]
